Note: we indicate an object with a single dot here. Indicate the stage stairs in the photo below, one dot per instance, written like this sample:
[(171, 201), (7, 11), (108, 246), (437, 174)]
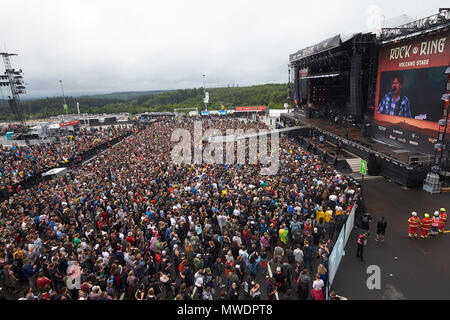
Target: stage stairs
[(354, 164)]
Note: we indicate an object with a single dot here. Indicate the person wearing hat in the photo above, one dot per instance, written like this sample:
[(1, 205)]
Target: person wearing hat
[(442, 220), (435, 223), (413, 223), (425, 226)]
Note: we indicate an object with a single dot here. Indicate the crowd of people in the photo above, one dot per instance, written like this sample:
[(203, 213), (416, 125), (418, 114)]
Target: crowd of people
[(131, 224), (19, 162)]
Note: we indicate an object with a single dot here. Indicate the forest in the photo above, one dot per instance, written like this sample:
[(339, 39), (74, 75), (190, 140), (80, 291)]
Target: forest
[(271, 95)]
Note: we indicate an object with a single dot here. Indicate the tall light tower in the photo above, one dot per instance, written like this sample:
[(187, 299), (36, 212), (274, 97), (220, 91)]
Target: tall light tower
[(206, 98), (14, 79), (64, 98)]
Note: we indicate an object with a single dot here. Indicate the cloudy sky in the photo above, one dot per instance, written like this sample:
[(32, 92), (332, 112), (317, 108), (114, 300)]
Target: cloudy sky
[(101, 46)]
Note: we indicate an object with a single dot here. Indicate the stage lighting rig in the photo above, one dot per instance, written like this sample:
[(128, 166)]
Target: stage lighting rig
[(14, 79)]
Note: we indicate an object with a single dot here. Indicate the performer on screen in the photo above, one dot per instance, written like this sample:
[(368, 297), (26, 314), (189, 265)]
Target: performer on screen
[(394, 103)]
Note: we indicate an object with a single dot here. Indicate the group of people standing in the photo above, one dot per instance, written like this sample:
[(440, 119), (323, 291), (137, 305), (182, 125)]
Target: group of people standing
[(428, 226)]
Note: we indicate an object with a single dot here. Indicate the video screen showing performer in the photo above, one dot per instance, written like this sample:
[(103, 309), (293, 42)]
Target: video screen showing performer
[(414, 93), (394, 103)]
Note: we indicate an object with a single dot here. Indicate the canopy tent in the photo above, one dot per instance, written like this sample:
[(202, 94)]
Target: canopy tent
[(56, 172)]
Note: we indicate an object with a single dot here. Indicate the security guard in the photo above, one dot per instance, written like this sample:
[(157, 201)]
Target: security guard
[(443, 220), (413, 223), (361, 242), (435, 223), (425, 226)]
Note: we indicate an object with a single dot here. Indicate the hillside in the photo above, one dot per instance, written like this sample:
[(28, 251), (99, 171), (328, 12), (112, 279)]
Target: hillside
[(271, 95), (127, 95)]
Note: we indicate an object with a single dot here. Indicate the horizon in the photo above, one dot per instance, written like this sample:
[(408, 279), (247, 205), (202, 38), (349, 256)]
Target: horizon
[(101, 47), (87, 95)]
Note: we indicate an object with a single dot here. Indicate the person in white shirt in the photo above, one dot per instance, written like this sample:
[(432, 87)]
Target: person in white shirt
[(318, 283), (237, 238), (221, 220), (198, 281), (244, 254)]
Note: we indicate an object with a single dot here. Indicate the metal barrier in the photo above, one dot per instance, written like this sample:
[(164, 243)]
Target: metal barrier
[(339, 248)]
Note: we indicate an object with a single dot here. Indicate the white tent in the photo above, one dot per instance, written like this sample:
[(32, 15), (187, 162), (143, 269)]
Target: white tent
[(54, 126), (55, 172)]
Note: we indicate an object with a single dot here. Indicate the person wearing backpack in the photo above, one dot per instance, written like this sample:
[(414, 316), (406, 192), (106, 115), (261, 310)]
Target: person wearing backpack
[(307, 256)]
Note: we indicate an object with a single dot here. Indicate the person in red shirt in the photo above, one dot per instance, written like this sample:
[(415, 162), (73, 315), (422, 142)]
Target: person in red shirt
[(42, 281), (130, 238)]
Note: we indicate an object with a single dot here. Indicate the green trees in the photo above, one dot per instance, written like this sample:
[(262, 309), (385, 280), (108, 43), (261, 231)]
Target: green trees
[(271, 95)]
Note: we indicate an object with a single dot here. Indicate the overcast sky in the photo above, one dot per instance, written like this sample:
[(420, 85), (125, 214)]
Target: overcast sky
[(101, 46)]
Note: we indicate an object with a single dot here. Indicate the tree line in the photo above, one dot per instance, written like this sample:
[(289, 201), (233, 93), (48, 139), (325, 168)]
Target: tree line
[(271, 95)]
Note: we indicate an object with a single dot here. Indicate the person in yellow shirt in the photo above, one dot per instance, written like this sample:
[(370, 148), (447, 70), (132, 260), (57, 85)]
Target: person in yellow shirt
[(319, 214), (18, 254), (328, 215)]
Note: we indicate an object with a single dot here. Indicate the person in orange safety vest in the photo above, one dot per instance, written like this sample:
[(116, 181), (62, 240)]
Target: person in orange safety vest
[(435, 224), (425, 226), (443, 220), (413, 222)]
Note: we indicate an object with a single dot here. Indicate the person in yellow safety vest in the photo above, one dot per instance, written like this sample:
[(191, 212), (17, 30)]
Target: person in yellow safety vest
[(443, 220), (435, 224), (319, 214), (413, 223), (425, 225)]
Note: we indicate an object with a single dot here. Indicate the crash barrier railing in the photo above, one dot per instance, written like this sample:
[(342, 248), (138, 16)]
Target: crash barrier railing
[(339, 248)]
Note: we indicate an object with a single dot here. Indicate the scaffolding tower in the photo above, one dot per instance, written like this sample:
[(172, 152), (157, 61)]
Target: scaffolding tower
[(14, 79)]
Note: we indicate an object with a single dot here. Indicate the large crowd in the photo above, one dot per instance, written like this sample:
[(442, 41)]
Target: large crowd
[(137, 226), (19, 162)]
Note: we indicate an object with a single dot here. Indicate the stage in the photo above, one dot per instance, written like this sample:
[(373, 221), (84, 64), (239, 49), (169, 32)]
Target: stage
[(340, 145), (365, 99), (355, 134)]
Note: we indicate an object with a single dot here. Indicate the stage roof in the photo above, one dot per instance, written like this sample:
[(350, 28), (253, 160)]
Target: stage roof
[(323, 46)]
